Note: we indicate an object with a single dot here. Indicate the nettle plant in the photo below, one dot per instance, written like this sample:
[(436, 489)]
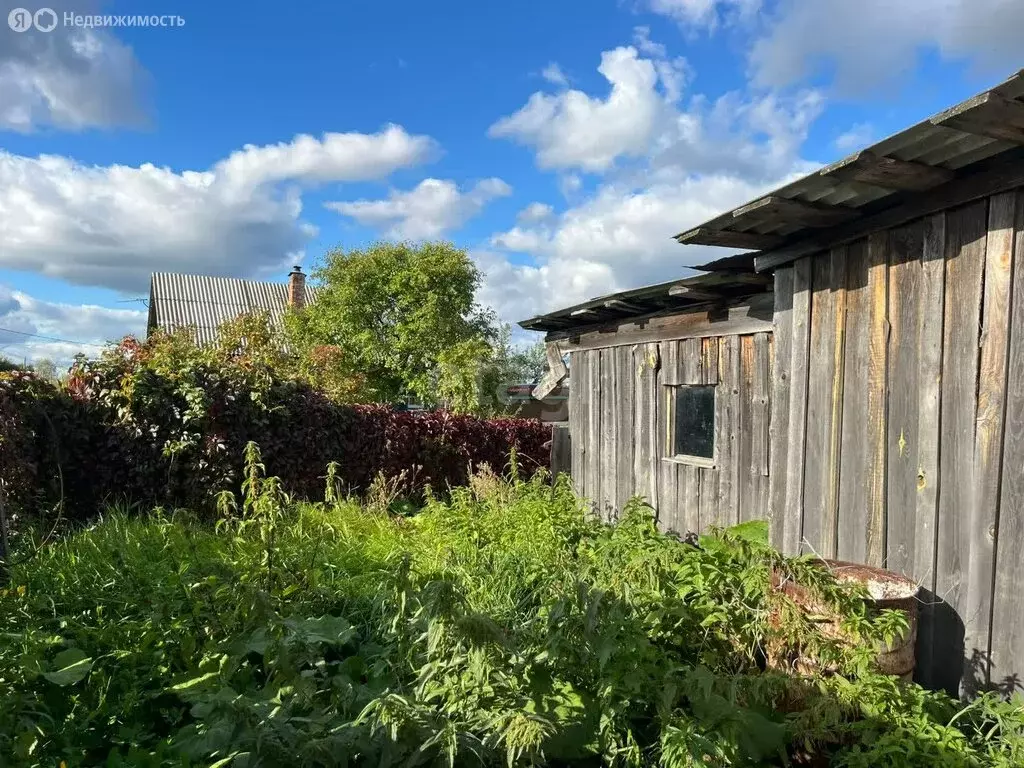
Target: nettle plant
[(501, 625)]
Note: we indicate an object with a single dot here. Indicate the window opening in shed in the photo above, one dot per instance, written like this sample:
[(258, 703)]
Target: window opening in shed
[(693, 423)]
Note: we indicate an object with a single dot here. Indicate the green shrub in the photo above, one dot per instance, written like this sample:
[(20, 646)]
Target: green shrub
[(164, 422), (500, 626)]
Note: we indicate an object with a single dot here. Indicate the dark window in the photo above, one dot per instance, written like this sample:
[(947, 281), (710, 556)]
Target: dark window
[(694, 433)]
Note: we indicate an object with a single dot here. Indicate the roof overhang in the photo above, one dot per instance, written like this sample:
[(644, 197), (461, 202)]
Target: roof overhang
[(919, 167), (708, 290)]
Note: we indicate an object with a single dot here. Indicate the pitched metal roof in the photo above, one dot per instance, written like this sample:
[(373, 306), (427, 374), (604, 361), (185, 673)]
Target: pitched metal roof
[(926, 156), (651, 301), (951, 149), (204, 302)]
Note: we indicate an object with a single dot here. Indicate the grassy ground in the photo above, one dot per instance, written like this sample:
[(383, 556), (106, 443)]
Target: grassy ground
[(499, 627)]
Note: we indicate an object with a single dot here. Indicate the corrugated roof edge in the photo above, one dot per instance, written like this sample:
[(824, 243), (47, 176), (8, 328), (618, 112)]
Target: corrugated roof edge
[(203, 302), (670, 297), (920, 158)]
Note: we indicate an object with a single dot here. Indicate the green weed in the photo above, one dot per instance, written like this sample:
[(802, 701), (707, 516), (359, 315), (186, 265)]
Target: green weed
[(503, 626)]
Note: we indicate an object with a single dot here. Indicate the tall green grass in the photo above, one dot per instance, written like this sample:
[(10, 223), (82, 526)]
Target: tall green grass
[(502, 626)]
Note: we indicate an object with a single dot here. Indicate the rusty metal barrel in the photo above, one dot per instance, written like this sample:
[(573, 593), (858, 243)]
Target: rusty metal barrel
[(888, 590)]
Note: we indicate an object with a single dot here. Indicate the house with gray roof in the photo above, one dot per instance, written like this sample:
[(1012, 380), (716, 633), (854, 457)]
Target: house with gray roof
[(204, 302)]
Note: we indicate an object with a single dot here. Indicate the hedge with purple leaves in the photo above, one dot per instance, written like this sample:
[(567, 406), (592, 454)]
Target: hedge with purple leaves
[(160, 423)]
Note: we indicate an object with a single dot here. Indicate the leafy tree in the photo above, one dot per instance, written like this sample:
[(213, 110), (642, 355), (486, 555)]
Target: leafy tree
[(508, 364), (406, 318), (529, 363), (46, 369)]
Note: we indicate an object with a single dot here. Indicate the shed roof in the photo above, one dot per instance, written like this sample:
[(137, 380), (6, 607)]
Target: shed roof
[(650, 301), (926, 157), (205, 302), (967, 151)]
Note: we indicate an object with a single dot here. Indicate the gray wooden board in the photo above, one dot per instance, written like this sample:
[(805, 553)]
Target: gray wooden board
[(965, 259), (888, 172), (931, 303), (574, 425), (794, 480), (690, 351), (579, 393), (594, 430), (626, 405), (645, 422), (728, 461), (610, 406), (761, 404), (824, 390), (560, 449), (668, 514), (988, 441), (878, 350), (1008, 599), (853, 498), (692, 496), (793, 212), (760, 438), (782, 339), (902, 455), (729, 239), (709, 508), (747, 474), (987, 114)]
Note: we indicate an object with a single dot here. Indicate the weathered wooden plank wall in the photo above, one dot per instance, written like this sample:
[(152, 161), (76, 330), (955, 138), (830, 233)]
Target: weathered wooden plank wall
[(897, 420), (619, 404)]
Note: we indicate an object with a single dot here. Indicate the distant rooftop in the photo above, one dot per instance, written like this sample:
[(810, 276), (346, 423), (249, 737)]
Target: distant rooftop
[(205, 302)]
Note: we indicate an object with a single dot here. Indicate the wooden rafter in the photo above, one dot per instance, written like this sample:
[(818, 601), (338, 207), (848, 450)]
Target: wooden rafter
[(987, 114), (794, 212), (1003, 176), (887, 172), (623, 305), (695, 294), (728, 239)]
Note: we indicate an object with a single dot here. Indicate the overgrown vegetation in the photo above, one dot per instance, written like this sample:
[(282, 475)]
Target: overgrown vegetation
[(502, 626), (164, 422)]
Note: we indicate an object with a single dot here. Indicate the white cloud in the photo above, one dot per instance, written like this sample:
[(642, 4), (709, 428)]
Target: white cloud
[(696, 160), (71, 78), (112, 226), (705, 13), (672, 71), (858, 137), (31, 328), (620, 238), (870, 42), (569, 184), (757, 134), (535, 212), (333, 157), (574, 130), (554, 74), (432, 208)]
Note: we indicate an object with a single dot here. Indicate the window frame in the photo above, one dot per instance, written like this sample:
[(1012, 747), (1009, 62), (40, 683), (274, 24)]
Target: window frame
[(670, 429)]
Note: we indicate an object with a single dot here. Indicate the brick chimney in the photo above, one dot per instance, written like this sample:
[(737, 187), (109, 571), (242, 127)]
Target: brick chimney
[(296, 288)]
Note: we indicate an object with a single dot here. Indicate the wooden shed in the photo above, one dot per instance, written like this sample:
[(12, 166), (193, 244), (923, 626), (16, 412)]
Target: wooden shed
[(894, 367)]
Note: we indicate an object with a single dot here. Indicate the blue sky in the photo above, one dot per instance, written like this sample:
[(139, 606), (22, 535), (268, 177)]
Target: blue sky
[(560, 143)]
